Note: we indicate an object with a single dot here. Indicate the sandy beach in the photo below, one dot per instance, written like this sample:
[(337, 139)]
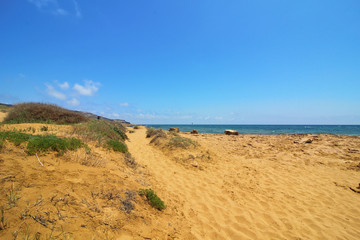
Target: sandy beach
[(227, 187)]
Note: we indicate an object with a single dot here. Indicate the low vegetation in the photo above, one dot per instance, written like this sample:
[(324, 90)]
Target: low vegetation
[(12, 195), (40, 143), (116, 145), (3, 220), (181, 142), (174, 139), (151, 132), (61, 145), (130, 160), (153, 199), (101, 131), (43, 113)]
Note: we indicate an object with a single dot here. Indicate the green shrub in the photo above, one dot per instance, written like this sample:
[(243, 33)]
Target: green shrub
[(44, 113), (45, 143), (15, 137), (153, 199), (117, 146), (120, 132), (37, 143), (181, 142), (1, 144), (136, 127)]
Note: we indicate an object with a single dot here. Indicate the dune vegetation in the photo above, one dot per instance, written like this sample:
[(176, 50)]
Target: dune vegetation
[(42, 113)]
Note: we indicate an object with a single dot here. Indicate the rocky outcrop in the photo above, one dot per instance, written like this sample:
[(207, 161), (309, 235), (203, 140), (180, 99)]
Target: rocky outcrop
[(174, 130), (231, 132)]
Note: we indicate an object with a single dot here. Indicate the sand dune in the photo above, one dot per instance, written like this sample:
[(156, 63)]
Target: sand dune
[(228, 187)]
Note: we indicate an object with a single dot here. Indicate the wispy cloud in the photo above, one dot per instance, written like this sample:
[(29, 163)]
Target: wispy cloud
[(42, 3), (89, 89), (53, 7), (54, 93), (73, 102), (64, 85), (77, 9), (124, 104), (60, 11)]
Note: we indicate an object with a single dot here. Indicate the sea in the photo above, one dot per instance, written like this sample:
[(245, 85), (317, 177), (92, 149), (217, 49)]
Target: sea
[(267, 129)]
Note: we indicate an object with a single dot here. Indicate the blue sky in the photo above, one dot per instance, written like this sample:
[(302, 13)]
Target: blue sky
[(236, 62)]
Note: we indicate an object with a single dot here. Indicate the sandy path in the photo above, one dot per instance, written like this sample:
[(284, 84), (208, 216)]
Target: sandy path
[(239, 197), (194, 194)]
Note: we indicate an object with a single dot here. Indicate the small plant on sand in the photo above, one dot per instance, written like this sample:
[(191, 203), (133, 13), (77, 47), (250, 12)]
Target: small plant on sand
[(130, 160), (181, 142), (1, 144), (136, 127), (153, 199), (44, 128), (127, 203), (116, 146), (3, 220), (12, 195)]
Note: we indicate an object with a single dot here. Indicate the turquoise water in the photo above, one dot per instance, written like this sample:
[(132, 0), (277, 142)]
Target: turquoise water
[(269, 129)]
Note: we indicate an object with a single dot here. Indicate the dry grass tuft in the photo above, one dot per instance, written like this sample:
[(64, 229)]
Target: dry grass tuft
[(83, 157), (151, 132)]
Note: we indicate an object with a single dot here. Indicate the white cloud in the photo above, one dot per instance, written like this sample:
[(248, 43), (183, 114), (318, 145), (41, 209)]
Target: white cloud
[(73, 102), (89, 89), (56, 94), (64, 85), (124, 104)]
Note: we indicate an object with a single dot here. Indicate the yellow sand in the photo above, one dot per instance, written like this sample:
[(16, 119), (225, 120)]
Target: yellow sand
[(228, 187), (2, 116), (261, 187)]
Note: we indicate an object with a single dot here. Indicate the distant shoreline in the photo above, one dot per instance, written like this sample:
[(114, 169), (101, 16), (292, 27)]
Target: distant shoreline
[(257, 129)]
